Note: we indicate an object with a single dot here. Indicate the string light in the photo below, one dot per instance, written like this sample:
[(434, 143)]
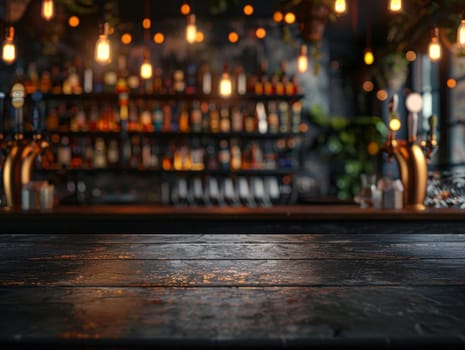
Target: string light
[(48, 9), (340, 7), (302, 60), (289, 18), (461, 34), (434, 48), (102, 47), (191, 29), (73, 21), (248, 10), (9, 48), (368, 57), (395, 5), (185, 8)]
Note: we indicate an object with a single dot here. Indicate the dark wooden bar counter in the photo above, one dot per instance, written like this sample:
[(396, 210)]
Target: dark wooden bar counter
[(344, 218), (320, 277)]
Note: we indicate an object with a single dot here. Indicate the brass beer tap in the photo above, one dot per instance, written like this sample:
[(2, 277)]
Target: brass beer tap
[(20, 158), (410, 154), (37, 145)]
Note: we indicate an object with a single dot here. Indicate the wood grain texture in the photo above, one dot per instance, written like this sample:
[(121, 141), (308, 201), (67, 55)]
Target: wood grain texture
[(232, 291)]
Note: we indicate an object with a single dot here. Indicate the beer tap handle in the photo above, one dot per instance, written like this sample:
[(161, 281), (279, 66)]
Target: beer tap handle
[(17, 101), (414, 105), (2, 102), (36, 113), (433, 122)]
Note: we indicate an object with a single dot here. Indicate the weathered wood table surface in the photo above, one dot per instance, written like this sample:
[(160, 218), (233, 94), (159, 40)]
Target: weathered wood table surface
[(379, 289), (232, 291)]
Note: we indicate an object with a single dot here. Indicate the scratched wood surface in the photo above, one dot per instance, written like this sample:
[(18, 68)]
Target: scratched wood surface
[(205, 291)]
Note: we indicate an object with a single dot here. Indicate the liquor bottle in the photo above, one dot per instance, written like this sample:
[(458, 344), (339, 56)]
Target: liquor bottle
[(147, 153), (135, 159), (296, 117), (76, 153), (197, 153), (179, 83), (250, 121), (191, 81), (225, 122), (155, 156), (262, 121), (158, 81), (236, 155), (196, 117), (183, 118), (64, 153), (205, 78), (273, 118), (100, 154), (146, 121), (261, 78), (113, 153), (157, 117), (133, 117), (283, 109), (224, 157), (167, 116), (237, 119), (211, 161), (88, 153), (257, 156), (240, 81), (214, 118)]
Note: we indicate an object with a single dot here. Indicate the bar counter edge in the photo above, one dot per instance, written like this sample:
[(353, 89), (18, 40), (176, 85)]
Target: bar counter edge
[(338, 218)]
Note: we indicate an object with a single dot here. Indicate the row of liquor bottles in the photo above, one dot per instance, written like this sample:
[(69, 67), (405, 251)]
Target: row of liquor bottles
[(75, 78), (251, 191), (182, 154), (272, 116)]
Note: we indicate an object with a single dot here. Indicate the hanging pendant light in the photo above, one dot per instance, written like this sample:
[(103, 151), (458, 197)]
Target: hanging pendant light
[(9, 47), (434, 48), (302, 60), (340, 7), (395, 5), (191, 29), (461, 34), (102, 47), (146, 69), (48, 9)]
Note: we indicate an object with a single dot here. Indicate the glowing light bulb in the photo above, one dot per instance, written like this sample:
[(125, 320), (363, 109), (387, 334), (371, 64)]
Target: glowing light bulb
[(434, 48), (368, 57), (48, 9), (9, 48), (225, 87), (146, 69), (102, 47), (394, 124), (395, 5), (302, 60), (340, 7), (461, 34), (191, 29)]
